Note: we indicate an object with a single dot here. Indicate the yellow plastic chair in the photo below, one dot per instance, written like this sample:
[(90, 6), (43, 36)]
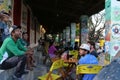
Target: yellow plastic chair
[(57, 65), (88, 69), (65, 64), (74, 53), (75, 56)]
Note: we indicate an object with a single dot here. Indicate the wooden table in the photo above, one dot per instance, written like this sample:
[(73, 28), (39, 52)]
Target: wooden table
[(71, 65), (71, 60)]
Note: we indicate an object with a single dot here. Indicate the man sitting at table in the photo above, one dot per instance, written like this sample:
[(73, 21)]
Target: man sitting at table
[(87, 58)]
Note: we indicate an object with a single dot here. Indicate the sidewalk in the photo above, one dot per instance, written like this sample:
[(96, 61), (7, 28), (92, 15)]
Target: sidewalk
[(41, 68)]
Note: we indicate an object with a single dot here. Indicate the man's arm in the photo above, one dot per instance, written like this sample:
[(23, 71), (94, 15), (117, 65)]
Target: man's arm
[(20, 46), (12, 47)]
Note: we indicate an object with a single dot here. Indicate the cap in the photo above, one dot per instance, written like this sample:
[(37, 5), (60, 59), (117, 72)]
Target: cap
[(85, 46), (13, 28), (3, 13)]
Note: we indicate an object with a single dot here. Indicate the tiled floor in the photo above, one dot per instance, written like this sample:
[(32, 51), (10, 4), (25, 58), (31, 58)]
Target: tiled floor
[(40, 67), (110, 72)]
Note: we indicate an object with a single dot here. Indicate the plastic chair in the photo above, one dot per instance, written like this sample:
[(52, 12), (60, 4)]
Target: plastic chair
[(57, 65), (75, 56), (74, 53), (88, 69)]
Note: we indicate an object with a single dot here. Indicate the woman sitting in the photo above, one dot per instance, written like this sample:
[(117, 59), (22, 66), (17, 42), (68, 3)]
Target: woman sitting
[(52, 50)]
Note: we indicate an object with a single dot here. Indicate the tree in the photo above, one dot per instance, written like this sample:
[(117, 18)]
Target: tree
[(96, 25)]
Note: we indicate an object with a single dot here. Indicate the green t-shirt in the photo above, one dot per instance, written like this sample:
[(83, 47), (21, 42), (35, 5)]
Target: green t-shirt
[(12, 48), (24, 43)]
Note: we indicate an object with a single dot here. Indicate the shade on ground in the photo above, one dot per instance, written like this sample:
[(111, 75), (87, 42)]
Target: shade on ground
[(110, 72)]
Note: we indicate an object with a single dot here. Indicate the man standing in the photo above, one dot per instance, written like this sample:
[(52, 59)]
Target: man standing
[(92, 48), (4, 29), (25, 43), (12, 53), (87, 58)]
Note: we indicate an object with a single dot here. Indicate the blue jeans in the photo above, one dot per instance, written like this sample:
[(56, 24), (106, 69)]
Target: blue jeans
[(16, 61)]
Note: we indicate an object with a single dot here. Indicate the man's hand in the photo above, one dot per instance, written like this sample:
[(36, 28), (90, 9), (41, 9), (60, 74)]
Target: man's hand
[(29, 52)]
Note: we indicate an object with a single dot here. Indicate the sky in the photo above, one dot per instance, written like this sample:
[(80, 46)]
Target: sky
[(103, 20)]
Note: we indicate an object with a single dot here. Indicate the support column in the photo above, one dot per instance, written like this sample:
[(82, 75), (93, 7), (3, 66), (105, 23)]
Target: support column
[(28, 24), (35, 31), (61, 37), (73, 33), (112, 44), (67, 34), (17, 12), (63, 34), (84, 28), (64, 37)]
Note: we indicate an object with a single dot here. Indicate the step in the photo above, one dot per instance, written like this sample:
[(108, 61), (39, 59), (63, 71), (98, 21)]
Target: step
[(7, 75)]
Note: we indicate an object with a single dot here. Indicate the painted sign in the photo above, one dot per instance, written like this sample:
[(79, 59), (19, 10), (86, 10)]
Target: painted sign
[(112, 26), (116, 13), (107, 47), (108, 9), (114, 47), (84, 35), (115, 32), (107, 30), (115, 10)]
